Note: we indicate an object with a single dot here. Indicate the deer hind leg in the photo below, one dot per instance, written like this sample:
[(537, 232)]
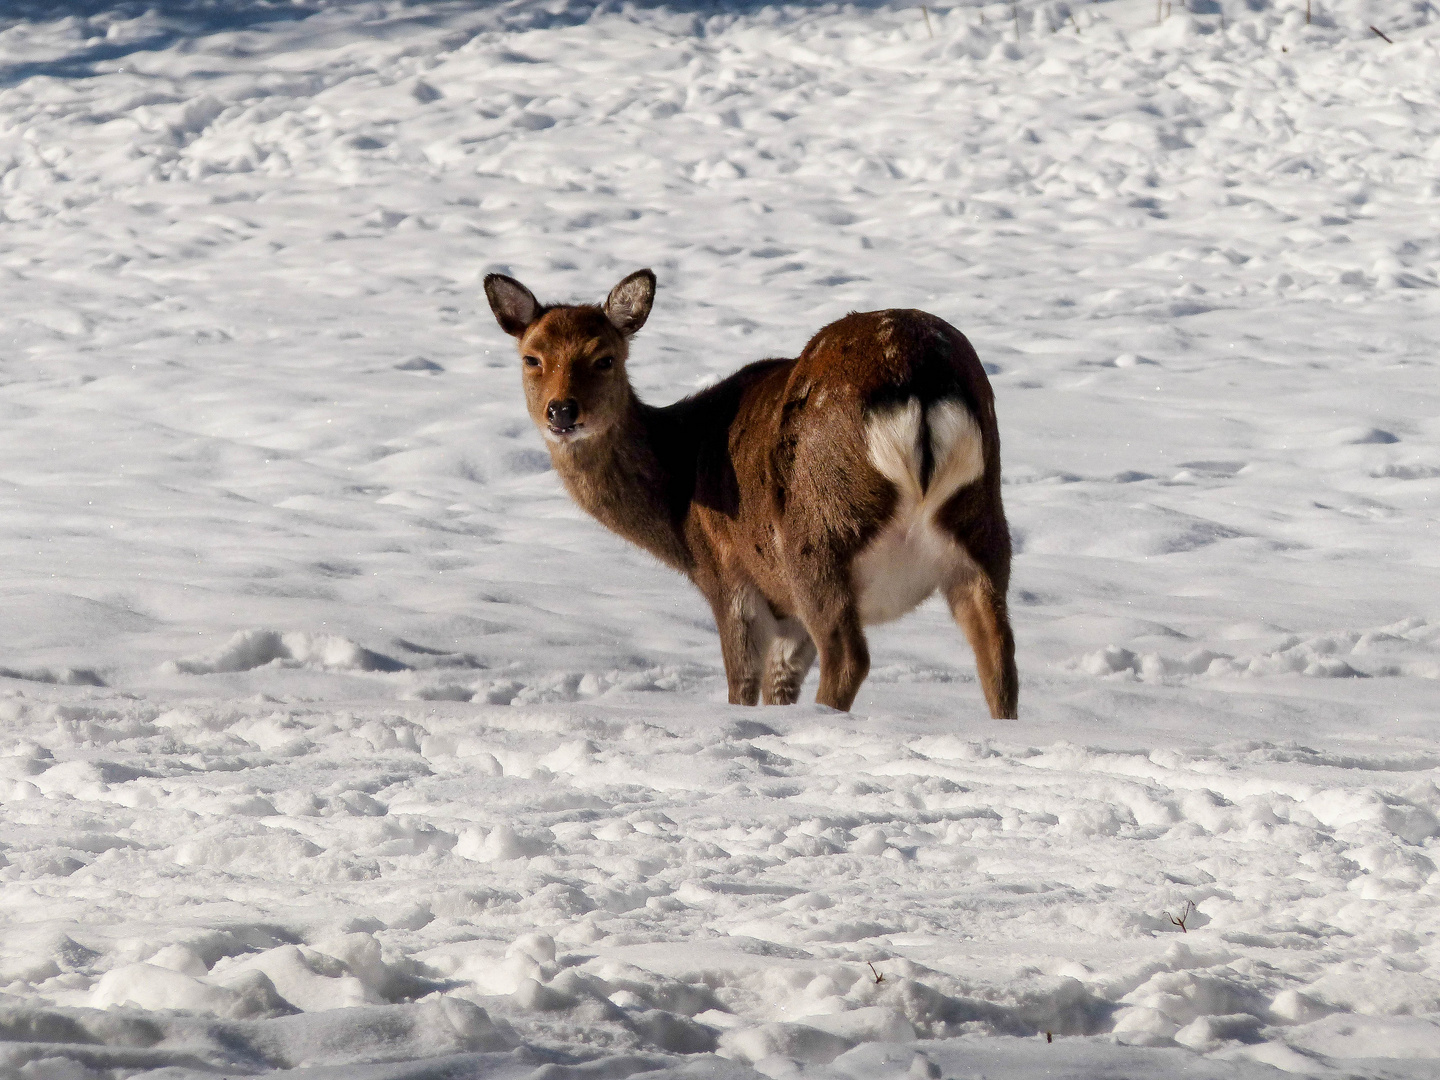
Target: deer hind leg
[(979, 607), (788, 662)]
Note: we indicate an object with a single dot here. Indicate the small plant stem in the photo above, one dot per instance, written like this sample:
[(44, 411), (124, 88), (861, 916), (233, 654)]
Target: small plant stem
[(1183, 917), (1380, 33), (926, 13)]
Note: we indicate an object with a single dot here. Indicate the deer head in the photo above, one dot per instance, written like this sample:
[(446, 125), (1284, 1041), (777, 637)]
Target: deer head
[(573, 355)]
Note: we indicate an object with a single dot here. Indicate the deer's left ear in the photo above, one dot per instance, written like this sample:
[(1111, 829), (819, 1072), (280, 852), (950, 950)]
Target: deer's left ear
[(628, 305)]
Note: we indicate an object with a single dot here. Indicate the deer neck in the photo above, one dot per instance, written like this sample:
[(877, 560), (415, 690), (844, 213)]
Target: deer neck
[(630, 480)]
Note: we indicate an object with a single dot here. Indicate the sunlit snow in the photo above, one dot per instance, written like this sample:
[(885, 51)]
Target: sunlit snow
[(333, 737)]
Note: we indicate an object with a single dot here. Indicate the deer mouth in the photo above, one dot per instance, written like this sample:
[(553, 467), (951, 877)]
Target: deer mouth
[(565, 434)]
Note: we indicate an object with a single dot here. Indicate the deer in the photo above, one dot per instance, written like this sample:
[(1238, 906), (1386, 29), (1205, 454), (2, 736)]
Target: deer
[(805, 498)]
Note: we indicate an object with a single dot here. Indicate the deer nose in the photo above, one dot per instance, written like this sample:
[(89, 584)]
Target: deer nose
[(562, 414)]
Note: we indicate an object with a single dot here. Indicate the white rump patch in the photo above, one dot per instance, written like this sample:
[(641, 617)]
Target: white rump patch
[(893, 437), (957, 448), (910, 557)]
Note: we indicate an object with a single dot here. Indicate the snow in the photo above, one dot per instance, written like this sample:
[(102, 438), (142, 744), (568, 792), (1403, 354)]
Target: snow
[(334, 741)]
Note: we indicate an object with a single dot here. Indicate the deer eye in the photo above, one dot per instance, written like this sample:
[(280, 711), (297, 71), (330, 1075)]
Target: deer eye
[(605, 363), (532, 361)]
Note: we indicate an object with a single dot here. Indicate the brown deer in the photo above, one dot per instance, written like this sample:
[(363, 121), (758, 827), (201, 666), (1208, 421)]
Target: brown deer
[(805, 498)]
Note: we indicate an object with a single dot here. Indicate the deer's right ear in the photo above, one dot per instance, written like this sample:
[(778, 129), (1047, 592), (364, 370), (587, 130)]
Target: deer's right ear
[(514, 305)]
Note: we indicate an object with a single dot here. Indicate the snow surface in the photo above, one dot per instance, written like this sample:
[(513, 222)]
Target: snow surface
[(336, 740)]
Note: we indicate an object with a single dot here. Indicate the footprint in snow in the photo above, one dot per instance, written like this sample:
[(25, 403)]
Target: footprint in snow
[(1363, 436), (420, 366)]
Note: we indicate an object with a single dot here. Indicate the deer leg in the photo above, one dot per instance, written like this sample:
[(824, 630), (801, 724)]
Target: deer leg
[(833, 622), (844, 659), (790, 656), (980, 610), (746, 628), (828, 609)]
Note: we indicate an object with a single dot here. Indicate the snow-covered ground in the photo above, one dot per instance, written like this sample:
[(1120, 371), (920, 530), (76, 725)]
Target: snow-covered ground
[(334, 734)]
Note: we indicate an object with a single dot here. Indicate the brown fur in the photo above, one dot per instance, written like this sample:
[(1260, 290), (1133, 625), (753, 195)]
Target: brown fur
[(762, 489)]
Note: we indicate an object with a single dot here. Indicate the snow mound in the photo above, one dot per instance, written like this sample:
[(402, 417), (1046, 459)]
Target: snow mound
[(149, 986), (60, 677), (250, 649), (1410, 648), (567, 686)]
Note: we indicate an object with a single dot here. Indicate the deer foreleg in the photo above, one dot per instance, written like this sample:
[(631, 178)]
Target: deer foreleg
[(832, 619), (844, 660), (746, 629), (790, 656)]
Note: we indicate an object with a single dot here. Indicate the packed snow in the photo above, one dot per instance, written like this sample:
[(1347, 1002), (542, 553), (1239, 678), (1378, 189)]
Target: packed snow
[(335, 741)]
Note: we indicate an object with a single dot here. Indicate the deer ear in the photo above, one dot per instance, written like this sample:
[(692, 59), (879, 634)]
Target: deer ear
[(628, 305), (514, 305)]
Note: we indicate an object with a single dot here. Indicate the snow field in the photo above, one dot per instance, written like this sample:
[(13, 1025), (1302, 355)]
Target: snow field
[(334, 737), (717, 885)]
